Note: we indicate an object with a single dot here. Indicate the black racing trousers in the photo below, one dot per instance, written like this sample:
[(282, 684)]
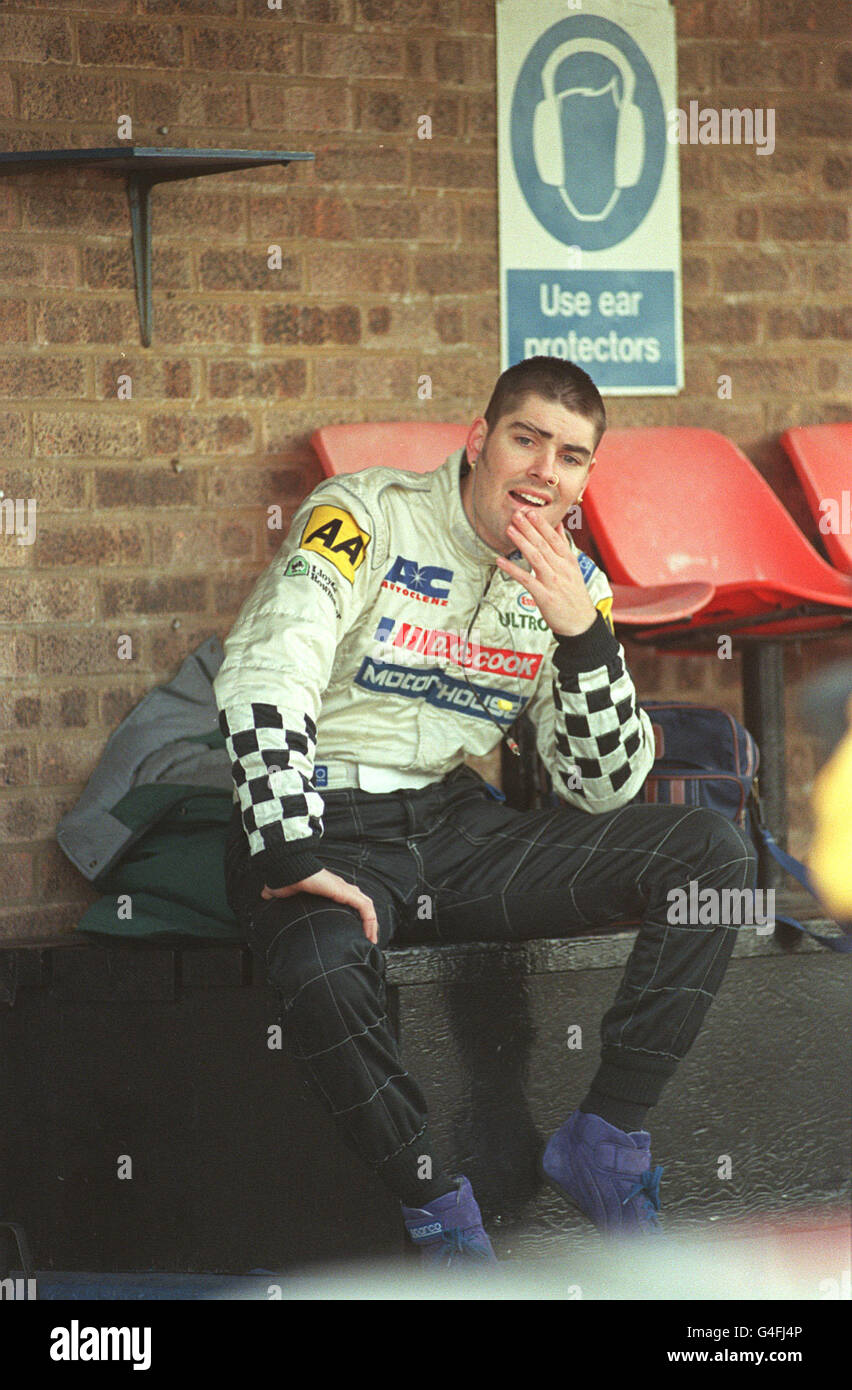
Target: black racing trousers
[(450, 862)]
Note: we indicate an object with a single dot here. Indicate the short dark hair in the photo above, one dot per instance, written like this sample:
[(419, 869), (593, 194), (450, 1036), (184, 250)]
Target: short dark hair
[(555, 380)]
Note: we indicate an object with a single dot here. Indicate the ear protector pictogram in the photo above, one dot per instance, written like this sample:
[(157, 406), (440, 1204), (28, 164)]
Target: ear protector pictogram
[(547, 134)]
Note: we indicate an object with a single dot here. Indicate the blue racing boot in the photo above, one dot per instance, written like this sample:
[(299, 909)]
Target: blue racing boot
[(606, 1173), (449, 1230)]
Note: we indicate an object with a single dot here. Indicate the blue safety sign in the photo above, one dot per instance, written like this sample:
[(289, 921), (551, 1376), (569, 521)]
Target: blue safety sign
[(589, 195)]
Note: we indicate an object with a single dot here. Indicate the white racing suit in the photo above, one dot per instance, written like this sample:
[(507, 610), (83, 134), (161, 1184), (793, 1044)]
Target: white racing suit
[(384, 635)]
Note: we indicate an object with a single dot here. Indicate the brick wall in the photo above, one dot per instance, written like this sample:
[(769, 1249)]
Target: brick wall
[(151, 511)]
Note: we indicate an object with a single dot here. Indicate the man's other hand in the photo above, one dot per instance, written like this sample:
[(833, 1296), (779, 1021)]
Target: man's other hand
[(328, 885)]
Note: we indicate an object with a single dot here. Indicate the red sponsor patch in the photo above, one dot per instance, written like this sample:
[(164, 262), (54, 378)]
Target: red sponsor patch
[(451, 646)]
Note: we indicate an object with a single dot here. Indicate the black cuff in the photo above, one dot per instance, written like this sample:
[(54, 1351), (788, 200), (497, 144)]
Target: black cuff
[(595, 647), (281, 867)]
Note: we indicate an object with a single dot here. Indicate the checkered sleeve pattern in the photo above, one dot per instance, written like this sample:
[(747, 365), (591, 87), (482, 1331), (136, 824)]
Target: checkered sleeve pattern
[(597, 743), (272, 768)]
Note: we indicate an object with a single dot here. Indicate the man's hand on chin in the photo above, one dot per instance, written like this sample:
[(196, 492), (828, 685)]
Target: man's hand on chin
[(556, 582)]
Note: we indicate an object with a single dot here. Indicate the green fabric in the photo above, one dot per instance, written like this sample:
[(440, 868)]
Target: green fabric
[(174, 872)]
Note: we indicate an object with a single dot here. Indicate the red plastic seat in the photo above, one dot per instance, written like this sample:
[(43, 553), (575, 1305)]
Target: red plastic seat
[(421, 445), (822, 458), (415, 445), (683, 504)]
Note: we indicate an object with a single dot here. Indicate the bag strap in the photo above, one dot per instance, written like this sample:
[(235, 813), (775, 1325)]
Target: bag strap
[(798, 871)]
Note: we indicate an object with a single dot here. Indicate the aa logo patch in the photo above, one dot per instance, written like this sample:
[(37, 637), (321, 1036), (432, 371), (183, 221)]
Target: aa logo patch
[(604, 607), (334, 533)]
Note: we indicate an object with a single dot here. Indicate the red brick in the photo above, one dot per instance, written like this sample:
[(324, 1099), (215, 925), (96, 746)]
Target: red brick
[(74, 96), (843, 70), (178, 543), (353, 55), (480, 118), (10, 208), (482, 322), (361, 165), (119, 6), (36, 598), (432, 14), (85, 321), (184, 321), (453, 169), (825, 118), (17, 654), (138, 597), (317, 216), (453, 271), (248, 270), (130, 45), (199, 434), (837, 172), (19, 265), (305, 11), (181, 209), (725, 17), (338, 269), (830, 270), (810, 321), (228, 9), (63, 543), (289, 324), (377, 219), (816, 17), (449, 321), (380, 378), (107, 434), (301, 106), (59, 267), (73, 209), (694, 67), (18, 874), (53, 485), (89, 653), (7, 95), (759, 66), (29, 39), (239, 49), (28, 818), (13, 433), (476, 16), (268, 379), (13, 320), (145, 487), (437, 219), (252, 485), (766, 375), (785, 172), (753, 272), (191, 103), (42, 376), (720, 323), (834, 374), (806, 224), (111, 268), (151, 378)]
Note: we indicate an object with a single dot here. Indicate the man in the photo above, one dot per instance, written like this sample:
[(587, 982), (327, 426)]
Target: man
[(406, 621)]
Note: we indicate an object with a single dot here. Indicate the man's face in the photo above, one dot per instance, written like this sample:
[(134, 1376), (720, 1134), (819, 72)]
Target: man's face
[(537, 458)]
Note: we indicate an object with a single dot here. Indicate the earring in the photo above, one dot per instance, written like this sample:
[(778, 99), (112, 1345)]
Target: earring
[(552, 482)]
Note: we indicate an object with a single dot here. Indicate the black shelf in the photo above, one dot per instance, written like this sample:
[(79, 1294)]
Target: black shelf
[(143, 168)]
